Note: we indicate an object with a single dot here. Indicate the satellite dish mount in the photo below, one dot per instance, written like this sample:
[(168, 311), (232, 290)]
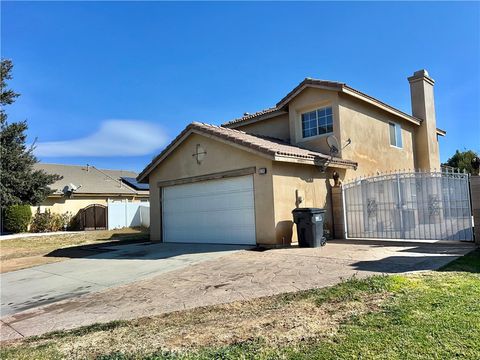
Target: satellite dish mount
[(334, 145)]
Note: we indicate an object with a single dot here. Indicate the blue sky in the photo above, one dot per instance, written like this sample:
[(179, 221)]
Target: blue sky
[(120, 77)]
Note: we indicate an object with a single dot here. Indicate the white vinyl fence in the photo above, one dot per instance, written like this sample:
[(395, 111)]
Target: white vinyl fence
[(128, 214)]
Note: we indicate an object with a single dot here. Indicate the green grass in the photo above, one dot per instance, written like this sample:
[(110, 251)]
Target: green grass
[(468, 263), (435, 315)]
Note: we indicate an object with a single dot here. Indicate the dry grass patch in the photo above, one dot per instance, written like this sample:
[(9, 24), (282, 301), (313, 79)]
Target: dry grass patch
[(279, 321), (31, 251)]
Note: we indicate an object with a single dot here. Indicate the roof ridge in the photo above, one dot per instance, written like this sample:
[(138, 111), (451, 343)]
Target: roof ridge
[(40, 163), (252, 115), (334, 85), (116, 180)]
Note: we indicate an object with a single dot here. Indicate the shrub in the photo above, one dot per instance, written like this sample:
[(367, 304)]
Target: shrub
[(17, 218), (41, 222), (46, 222)]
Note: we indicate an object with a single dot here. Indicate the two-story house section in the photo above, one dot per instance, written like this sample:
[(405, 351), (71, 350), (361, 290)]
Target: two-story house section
[(239, 182), (376, 135)]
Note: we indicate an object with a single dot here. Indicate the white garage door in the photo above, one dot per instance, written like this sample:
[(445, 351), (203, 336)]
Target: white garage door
[(216, 211)]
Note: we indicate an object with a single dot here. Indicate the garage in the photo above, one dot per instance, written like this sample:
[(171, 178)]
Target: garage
[(215, 211)]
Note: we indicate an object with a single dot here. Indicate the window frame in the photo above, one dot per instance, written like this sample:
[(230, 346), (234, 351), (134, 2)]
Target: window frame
[(397, 135), (317, 118)]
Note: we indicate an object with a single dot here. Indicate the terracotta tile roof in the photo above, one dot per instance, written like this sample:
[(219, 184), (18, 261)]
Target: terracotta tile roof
[(272, 147), (247, 117), (334, 85), (327, 84)]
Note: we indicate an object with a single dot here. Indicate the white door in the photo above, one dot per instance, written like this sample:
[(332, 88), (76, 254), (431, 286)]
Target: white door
[(215, 211)]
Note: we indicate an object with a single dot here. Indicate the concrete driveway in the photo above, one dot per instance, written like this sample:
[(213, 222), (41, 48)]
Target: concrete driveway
[(150, 279)]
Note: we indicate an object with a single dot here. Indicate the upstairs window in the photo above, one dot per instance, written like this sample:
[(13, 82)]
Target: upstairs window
[(317, 122), (395, 134)]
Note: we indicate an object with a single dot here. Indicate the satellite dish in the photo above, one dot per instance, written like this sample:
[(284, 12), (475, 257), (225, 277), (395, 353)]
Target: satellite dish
[(69, 189), (332, 143)]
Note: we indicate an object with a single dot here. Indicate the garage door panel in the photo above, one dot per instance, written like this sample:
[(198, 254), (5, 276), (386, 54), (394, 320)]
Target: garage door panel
[(224, 202), (217, 211), (213, 236), (208, 218)]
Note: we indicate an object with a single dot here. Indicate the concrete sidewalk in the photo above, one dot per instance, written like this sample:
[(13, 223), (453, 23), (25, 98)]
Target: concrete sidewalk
[(27, 235), (218, 278)]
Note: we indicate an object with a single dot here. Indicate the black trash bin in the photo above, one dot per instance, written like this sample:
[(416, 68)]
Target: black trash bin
[(309, 226)]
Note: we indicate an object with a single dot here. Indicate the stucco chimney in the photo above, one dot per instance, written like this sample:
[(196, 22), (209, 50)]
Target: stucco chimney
[(423, 107)]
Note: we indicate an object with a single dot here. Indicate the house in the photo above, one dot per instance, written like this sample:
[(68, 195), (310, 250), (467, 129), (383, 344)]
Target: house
[(239, 182), (83, 187)]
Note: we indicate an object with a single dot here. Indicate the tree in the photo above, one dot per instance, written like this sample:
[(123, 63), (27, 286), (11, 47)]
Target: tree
[(462, 160), (20, 183)]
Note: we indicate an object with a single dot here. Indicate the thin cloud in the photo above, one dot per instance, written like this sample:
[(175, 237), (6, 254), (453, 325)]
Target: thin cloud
[(113, 138)]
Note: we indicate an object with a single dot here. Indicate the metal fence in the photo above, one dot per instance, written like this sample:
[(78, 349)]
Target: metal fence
[(413, 205)]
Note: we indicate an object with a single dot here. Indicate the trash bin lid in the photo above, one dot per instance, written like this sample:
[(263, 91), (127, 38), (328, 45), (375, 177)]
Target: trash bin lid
[(309, 210)]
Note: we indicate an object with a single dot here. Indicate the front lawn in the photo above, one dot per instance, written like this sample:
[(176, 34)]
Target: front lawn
[(31, 251), (432, 315)]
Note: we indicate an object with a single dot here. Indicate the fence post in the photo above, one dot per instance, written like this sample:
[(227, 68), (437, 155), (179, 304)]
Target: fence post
[(337, 213), (475, 193)]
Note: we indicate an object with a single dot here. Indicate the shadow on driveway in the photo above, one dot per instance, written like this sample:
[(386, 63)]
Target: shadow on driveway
[(140, 250), (401, 264)]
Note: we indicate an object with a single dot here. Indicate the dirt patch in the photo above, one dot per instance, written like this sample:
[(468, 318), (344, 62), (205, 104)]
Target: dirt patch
[(276, 321)]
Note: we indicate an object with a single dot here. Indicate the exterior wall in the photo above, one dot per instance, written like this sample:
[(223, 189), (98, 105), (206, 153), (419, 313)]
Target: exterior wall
[(368, 128), (220, 157), (277, 127), (337, 213), (475, 192), (61, 205), (308, 100), (290, 181)]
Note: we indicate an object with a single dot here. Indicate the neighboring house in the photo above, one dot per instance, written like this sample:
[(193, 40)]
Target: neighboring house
[(84, 186), (239, 183)]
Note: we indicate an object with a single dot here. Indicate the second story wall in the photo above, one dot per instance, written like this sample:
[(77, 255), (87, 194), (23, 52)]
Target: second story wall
[(369, 130), (277, 127), (309, 100)]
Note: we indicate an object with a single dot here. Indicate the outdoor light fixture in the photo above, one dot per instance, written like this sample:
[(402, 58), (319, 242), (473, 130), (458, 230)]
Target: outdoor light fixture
[(262, 171)]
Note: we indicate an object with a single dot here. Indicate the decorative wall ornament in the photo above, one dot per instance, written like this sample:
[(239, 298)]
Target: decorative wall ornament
[(199, 154)]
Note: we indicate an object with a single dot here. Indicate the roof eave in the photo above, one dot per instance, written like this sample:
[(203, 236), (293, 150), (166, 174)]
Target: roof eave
[(359, 95), (100, 195), (183, 135), (239, 122), (343, 88), (302, 86), (317, 161)]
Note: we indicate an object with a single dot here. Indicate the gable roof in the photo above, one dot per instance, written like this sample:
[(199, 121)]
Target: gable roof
[(272, 148), (90, 180), (257, 116), (327, 85)]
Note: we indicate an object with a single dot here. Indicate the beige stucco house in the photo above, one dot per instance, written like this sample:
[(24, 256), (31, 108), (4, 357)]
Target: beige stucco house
[(239, 182), (82, 186)]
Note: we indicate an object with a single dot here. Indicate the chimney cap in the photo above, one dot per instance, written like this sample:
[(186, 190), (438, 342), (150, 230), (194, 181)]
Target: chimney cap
[(421, 75)]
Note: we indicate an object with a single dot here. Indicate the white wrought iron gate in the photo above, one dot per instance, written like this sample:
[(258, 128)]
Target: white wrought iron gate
[(414, 205)]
